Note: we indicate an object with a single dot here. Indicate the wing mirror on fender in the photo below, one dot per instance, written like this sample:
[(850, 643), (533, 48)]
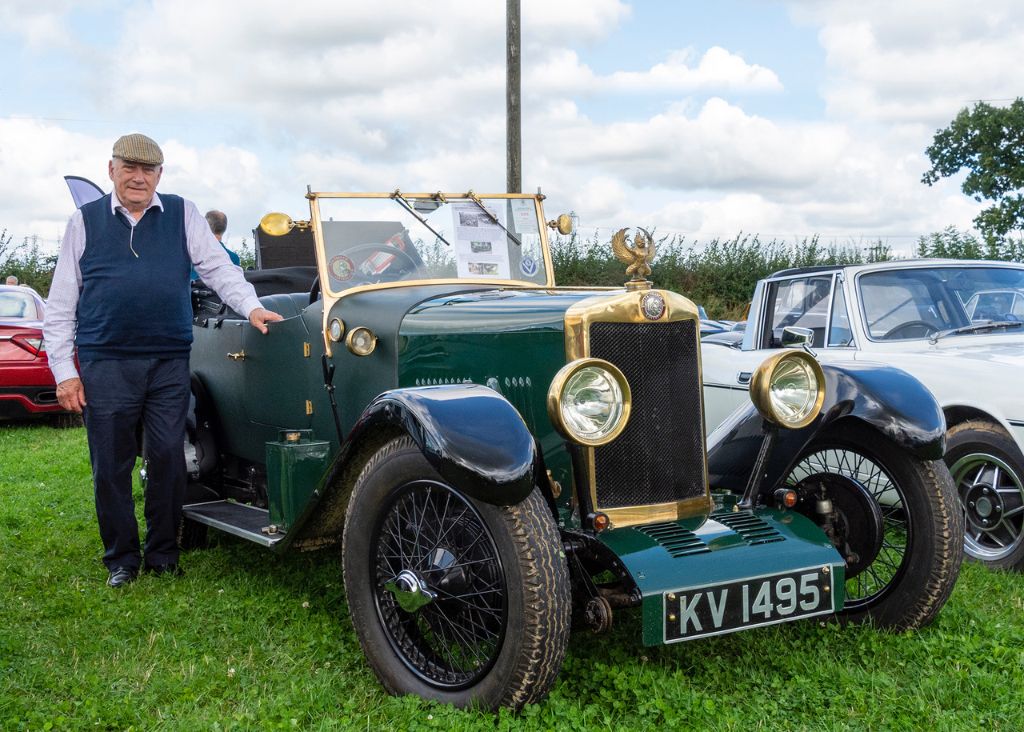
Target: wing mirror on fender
[(796, 337)]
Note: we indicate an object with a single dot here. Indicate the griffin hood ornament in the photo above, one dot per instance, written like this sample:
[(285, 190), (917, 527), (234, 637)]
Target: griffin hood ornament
[(637, 258)]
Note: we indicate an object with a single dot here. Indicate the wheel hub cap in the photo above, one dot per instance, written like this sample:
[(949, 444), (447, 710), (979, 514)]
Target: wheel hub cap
[(983, 506), (410, 591)]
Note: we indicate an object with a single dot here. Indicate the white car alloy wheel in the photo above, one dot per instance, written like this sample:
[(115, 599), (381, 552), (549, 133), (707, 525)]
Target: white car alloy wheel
[(993, 500)]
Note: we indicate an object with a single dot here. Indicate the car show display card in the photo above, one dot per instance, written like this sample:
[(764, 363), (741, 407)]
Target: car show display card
[(481, 249), (524, 214)]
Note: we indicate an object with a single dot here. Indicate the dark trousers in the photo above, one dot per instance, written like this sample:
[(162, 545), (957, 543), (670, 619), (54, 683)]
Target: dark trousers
[(119, 394)]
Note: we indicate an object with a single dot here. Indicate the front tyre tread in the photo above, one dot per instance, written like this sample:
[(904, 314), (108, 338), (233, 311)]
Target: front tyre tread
[(537, 581)]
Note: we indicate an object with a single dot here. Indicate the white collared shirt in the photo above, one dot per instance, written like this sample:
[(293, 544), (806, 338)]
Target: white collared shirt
[(207, 255)]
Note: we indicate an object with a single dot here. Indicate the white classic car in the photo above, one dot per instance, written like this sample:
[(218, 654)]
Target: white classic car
[(958, 326)]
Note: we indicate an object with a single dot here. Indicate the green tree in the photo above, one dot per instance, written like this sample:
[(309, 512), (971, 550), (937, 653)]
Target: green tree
[(26, 262), (988, 142)]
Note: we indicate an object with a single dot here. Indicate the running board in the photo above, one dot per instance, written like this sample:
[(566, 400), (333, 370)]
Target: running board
[(239, 519)]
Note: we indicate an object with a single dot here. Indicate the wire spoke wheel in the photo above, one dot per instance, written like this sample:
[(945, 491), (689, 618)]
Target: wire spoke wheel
[(877, 578), (452, 598), (432, 543), (894, 518)]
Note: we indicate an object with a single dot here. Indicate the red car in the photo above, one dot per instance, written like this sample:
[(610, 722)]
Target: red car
[(27, 388)]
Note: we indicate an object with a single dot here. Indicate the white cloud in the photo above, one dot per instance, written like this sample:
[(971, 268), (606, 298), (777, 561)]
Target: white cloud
[(41, 25), (252, 105), (560, 71), (34, 158), (721, 147), (917, 60), (717, 70)]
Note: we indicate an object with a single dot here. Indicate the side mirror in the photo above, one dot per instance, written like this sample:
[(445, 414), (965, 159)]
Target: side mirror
[(279, 224), (563, 224), (795, 337), (276, 224)]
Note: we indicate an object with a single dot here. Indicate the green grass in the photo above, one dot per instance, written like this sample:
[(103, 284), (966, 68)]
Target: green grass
[(249, 640)]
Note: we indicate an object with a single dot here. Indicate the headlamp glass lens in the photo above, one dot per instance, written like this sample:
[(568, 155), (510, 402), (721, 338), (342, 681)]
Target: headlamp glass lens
[(592, 403), (793, 390)]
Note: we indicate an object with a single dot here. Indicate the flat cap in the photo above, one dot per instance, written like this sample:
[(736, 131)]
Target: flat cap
[(137, 148)]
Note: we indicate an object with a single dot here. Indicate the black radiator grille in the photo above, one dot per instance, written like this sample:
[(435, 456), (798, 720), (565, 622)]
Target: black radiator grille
[(659, 457)]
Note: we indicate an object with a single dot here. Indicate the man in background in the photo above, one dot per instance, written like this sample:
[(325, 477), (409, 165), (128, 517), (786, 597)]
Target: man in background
[(218, 222), (11, 280)]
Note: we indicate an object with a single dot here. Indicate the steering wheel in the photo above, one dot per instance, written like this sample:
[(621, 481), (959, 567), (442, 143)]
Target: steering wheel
[(924, 327), (409, 264)]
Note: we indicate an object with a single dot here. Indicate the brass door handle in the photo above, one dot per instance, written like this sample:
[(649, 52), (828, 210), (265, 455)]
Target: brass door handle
[(240, 356)]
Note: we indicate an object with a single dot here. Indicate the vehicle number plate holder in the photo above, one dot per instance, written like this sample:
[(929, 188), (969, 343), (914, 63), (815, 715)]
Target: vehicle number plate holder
[(704, 610)]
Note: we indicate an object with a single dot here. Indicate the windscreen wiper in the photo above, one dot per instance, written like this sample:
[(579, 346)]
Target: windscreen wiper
[(976, 328), (398, 198), (476, 199)]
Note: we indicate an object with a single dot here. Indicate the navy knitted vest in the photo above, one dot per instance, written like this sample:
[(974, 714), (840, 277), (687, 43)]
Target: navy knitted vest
[(134, 306)]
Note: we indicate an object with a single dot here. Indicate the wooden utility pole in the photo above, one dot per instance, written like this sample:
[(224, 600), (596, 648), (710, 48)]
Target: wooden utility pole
[(513, 155)]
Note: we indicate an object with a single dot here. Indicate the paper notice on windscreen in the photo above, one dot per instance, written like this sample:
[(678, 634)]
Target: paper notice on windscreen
[(524, 215), (481, 249)]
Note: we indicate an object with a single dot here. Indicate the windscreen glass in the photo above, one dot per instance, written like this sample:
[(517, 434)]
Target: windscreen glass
[(15, 305), (374, 240), (916, 303)]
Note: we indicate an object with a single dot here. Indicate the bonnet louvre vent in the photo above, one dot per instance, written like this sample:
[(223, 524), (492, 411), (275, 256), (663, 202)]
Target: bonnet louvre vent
[(676, 540), (750, 527)]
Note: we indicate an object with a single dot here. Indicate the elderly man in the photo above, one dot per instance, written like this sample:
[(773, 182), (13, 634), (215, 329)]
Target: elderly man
[(120, 294), (11, 280)]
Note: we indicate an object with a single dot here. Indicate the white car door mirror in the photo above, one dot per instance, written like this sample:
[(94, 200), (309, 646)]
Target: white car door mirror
[(796, 337)]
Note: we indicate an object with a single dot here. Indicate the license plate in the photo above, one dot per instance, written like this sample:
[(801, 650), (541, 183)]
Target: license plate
[(695, 612)]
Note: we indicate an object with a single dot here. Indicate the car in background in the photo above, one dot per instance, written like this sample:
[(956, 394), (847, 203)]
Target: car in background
[(956, 325), (27, 388), (1005, 304), (709, 326)]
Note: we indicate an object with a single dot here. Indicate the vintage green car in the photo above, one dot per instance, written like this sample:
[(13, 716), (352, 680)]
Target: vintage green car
[(500, 458)]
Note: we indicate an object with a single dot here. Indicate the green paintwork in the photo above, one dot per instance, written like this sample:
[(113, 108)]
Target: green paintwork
[(510, 340), (265, 392), (223, 382), (655, 571), (294, 470)]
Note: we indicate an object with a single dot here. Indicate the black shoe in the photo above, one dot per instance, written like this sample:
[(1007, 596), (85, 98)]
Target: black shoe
[(120, 576), (170, 568)]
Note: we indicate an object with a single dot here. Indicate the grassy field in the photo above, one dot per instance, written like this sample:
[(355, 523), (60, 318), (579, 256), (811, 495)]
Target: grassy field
[(248, 640)]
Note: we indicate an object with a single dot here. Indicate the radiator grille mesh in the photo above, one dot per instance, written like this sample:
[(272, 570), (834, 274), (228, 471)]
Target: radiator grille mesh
[(659, 457)]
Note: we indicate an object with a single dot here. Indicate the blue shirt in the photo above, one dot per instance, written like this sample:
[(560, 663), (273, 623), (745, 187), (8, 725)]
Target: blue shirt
[(235, 259)]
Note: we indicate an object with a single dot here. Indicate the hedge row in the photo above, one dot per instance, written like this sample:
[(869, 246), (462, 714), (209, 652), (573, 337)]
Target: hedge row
[(719, 274)]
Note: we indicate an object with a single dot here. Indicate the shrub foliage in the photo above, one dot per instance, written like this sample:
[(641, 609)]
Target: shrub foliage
[(719, 274), (26, 261)]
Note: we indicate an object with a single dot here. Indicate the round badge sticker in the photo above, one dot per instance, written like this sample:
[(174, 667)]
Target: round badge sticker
[(528, 266), (341, 268)]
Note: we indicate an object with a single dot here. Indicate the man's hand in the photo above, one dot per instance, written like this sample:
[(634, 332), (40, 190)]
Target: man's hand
[(71, 394), (259, 318)]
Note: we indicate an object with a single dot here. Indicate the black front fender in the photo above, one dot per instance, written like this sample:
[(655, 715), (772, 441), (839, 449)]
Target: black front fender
[(889, 399), (470, 434)]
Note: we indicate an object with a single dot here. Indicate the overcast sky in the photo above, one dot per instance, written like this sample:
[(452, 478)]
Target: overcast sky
[(704, 119)]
